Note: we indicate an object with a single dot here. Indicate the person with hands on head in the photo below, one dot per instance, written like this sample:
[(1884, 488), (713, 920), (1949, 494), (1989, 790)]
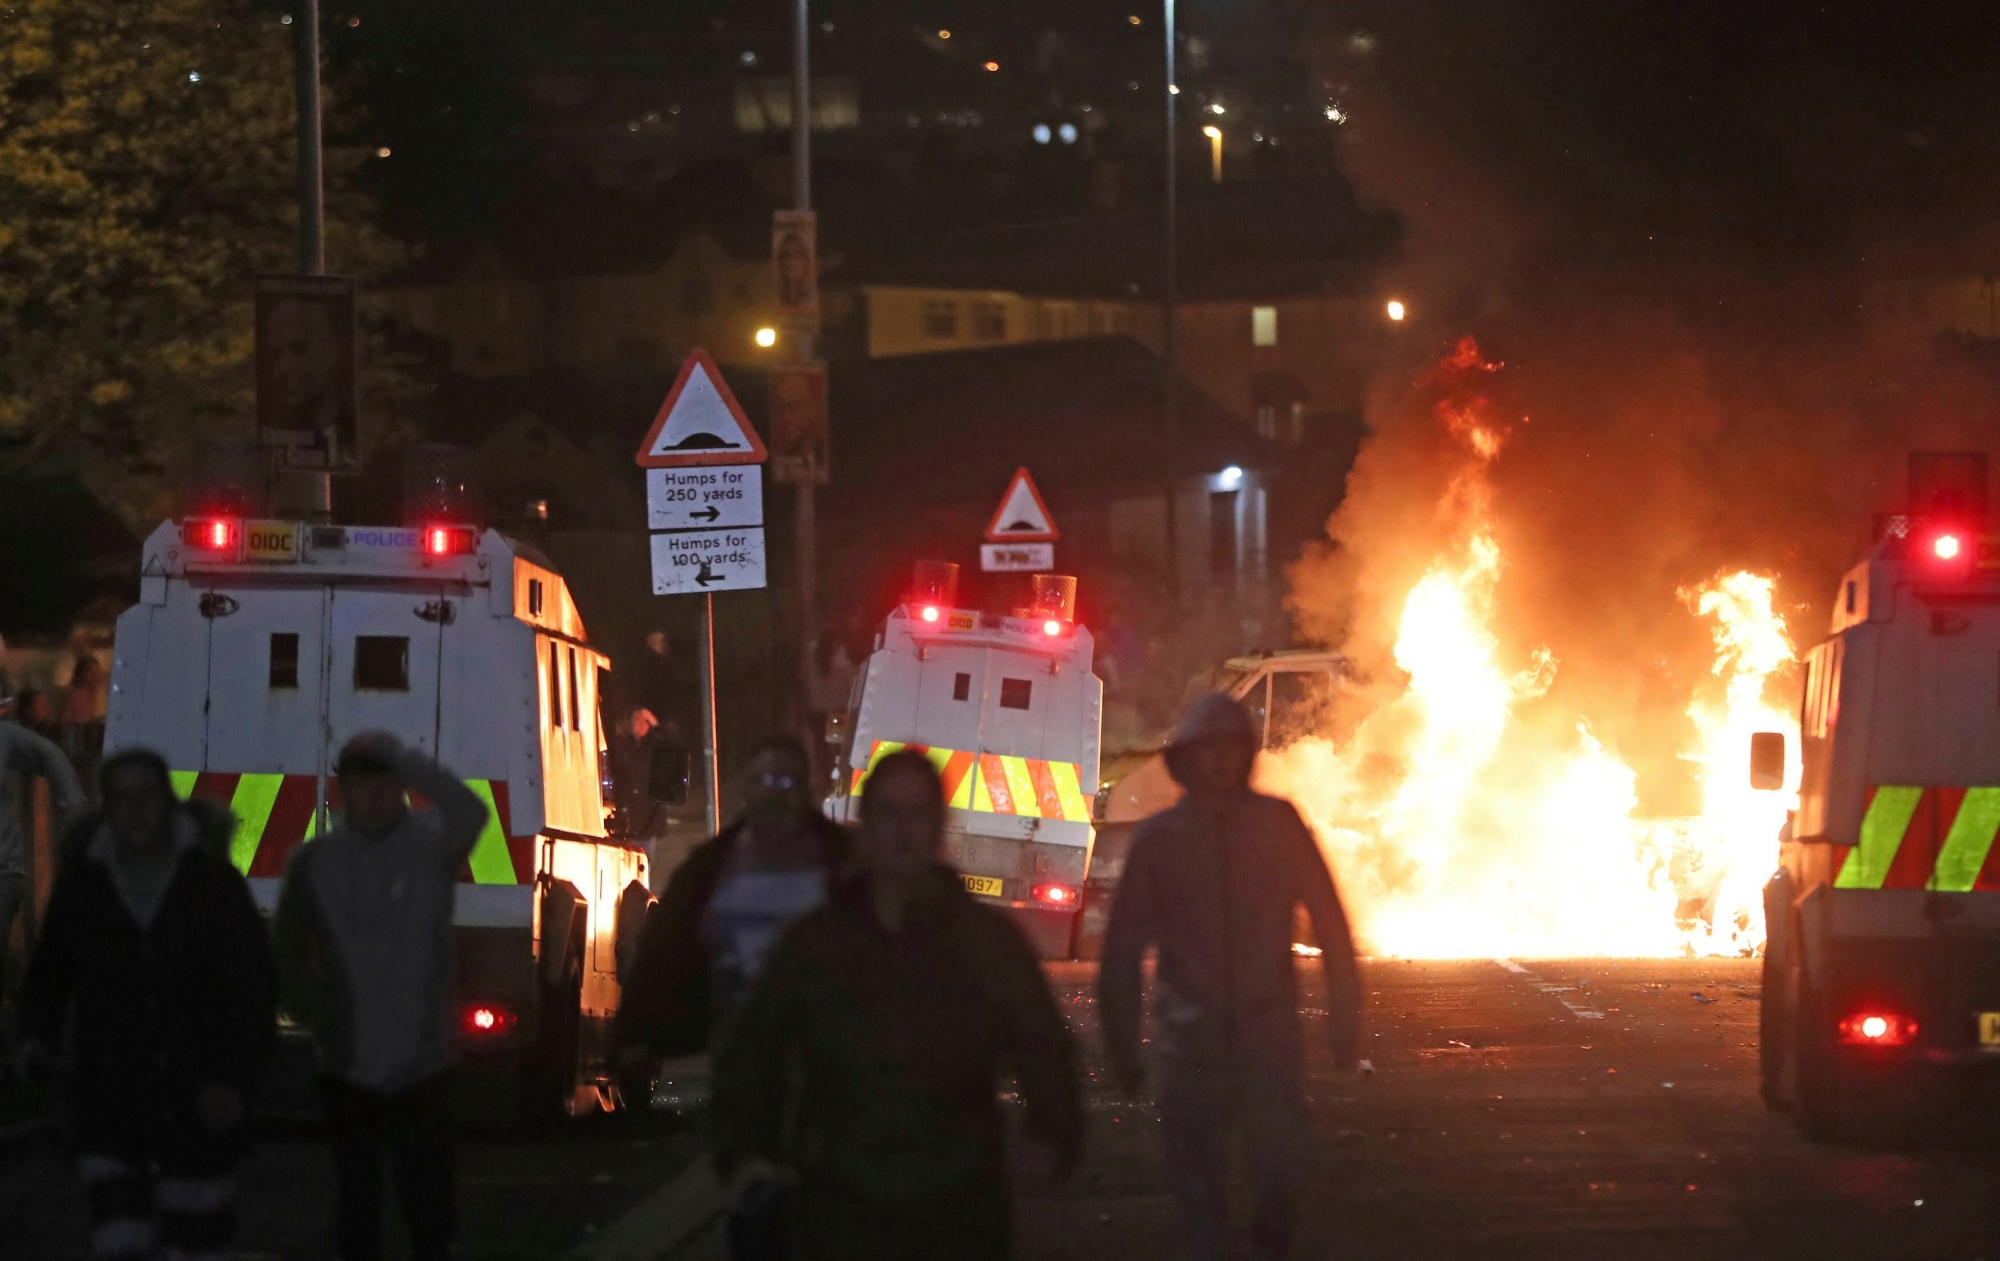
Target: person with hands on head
[(861, 1072), (364, 946), (23, 754), (153, 957), (1212, 884)]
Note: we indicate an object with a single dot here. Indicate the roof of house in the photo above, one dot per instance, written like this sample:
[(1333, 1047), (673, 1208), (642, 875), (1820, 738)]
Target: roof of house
[(1084, 416), (1257, 240)]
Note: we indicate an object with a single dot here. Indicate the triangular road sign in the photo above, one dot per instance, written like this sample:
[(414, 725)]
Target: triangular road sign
[(700, 423), (1022, 516)]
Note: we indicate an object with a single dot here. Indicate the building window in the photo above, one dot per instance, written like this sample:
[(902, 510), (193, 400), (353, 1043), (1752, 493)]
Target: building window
[(1014, 693), (961, 687), (1267, 421), (555, 686), (1263, 326), (575, 700), (284, 661), (940, 318), (989, 321), (381, 663)]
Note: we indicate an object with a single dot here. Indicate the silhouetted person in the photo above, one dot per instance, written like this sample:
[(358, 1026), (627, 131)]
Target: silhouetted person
[(365, 948), (1213, 883), (23, 755), (861, 1071), (154, 959)]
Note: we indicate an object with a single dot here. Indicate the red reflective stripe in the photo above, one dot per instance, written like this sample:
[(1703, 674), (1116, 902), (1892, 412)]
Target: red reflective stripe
[(960, 763), (994, 774), (218, 786), (1046, 796), (291, 815), (1916, 857), (521, 849)]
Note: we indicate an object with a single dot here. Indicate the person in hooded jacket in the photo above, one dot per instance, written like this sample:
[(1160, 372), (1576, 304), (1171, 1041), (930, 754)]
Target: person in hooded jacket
[(153, 957), (1213, 884)]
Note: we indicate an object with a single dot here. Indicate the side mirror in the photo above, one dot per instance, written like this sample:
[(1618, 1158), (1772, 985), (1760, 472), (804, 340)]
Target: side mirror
[(668, 774), (1767, 761)]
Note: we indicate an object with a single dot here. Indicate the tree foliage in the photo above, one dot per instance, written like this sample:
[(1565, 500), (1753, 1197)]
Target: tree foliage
[(147, 174)]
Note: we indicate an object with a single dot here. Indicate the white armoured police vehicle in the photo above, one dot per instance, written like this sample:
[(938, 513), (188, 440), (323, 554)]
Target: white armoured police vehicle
[(1008, 711), (1882, 970), (258, 648)]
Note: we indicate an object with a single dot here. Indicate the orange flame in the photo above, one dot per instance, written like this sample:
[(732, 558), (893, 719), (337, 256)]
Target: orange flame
[(1457, 829)]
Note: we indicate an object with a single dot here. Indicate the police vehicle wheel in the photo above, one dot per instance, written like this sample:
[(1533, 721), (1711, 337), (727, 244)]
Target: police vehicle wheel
[(1813, 1089), (558, 1047)]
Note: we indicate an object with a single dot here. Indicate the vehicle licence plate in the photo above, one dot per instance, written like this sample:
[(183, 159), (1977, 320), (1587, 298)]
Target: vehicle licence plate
[(993, 886), (1989, 1030)]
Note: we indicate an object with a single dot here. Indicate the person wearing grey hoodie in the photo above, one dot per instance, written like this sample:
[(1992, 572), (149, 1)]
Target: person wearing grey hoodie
[(1213, 884), (24, 754), (364, 946)]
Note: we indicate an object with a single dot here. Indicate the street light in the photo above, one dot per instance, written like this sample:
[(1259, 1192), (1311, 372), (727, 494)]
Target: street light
[(767, 337), (1397, 310), (1214, 135)]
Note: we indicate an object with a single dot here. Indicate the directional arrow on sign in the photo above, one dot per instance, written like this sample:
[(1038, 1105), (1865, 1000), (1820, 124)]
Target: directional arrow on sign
[(708, 514), (706, 575)]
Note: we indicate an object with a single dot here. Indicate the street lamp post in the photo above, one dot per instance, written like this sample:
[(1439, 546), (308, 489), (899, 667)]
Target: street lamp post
[(1170, 359), (804, 502), (1214, 135)]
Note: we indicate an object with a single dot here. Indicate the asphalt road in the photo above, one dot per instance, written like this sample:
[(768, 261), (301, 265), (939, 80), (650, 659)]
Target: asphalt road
[(1573, 1109)]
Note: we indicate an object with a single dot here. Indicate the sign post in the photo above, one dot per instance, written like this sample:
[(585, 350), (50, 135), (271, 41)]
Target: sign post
[(705, 506), (1021, 538)]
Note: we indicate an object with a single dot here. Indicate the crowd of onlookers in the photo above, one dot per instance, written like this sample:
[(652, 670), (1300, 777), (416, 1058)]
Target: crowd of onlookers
[(61, 692)]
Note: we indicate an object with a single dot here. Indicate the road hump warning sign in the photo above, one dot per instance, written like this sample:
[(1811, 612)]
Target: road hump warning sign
[(701, 423), (1022, 516)]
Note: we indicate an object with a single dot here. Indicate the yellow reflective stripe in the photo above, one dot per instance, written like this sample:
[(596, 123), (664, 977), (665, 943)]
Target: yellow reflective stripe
[(1019, 786), (1967, 843), (1882, 829), (961, 797), (1076, 808), (982, 801), (882, 749), (937, 758), (251, 804), (183, 782), (490, 861)]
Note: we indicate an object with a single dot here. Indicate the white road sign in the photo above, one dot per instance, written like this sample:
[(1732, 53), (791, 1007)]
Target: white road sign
[(690, 562), (1017, 558), (704, 498)]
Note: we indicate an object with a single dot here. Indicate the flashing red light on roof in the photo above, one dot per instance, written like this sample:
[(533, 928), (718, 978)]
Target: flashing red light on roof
[(1947, 547), (929, 613), (1052, 627), (1877, 1028), (1055, 894), (211, 534), (487, 1019), (449, 540)]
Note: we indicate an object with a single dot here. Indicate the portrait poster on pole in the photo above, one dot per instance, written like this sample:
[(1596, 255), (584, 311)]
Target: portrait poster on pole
[(798, 423), (795, 259), (305, 370)]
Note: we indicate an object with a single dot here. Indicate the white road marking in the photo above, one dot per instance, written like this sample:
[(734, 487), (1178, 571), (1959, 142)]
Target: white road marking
[(1555, 991)]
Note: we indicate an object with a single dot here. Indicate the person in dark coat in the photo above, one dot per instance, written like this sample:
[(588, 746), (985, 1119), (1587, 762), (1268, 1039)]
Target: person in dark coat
[(862, 1069), (153, 956), (1213, 883), (724, 906)]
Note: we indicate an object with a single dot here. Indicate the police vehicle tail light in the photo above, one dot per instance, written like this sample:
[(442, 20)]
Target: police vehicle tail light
[(1877, 1026), (485, 1020), (1061, 895), (450, 540), (1052, 627), (211, 534), (1947, 546), (929, 613)]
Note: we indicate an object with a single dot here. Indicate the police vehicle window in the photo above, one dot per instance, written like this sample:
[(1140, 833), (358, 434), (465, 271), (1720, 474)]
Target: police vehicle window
[(555, 685), (382, 663), (1014, 693), (1299, 702), (284, 660), (961, 687), (575, 717)]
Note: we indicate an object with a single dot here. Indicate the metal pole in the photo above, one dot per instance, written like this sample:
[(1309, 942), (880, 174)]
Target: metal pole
[(711, 775), (309, 493), (805, 514), (1170, 402)]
